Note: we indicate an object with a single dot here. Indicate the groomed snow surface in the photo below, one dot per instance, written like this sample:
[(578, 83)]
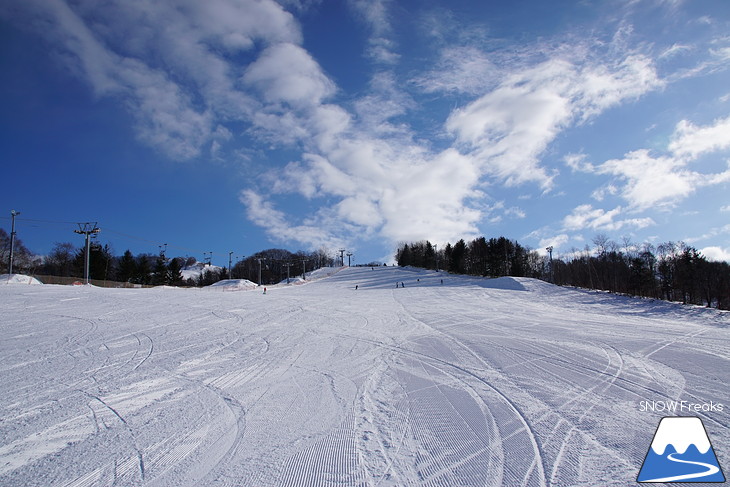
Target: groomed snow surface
[(470, 382)]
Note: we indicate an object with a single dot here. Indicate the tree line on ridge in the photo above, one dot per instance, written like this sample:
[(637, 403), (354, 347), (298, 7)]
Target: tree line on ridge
[(671, 271)]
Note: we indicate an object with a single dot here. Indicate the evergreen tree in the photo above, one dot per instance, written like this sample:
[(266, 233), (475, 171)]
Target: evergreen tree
[(403, 257), (174, 272), (457, 259), (430, 256), (100, 262), (143, 270), (159, 275), (126, 267)]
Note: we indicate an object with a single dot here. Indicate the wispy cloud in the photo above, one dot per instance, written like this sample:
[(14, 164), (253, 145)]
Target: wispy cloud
[(461, 69), (177, 82), (585, 217), (264, 214), (510, 127), (673, 51), (376, 15)]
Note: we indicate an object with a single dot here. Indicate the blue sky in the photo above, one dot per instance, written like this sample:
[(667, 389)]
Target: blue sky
[(242, 125)]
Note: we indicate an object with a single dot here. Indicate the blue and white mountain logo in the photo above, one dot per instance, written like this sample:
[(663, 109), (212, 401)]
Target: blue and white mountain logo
[(681, 452)]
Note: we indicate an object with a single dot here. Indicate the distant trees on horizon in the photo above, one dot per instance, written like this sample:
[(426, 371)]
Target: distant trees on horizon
[(669, 271), (67, 260)]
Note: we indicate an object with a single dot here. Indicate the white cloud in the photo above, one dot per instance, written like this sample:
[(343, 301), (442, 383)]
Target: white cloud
[(718, 254), (691, 141), (461, 70), (673, 51), (711, 60), (263, 213), (586, 217), (651, 181), (401, 197), (711, 233), (515, 212), (556, 242), (510, 127), (665, 180), (176, 81), (375, 15), (287, 73), (384, 182), (603, 86), (577, 163), (429, 199), (384, 102)]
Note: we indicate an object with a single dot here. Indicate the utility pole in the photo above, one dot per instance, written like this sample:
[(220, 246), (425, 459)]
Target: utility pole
[(163, 251), (209, 258), (259, 259), (87, 229), (13, 214), (436, 253), (287, 265), (342, 257), (230, 256), (550, 251), (349, 255), (304, 269)]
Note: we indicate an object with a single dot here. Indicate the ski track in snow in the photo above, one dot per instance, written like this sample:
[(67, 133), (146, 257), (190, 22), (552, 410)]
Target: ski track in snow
[(471, 382)]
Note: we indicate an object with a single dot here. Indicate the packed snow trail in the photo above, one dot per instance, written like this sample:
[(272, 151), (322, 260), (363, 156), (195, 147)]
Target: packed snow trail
[(403, 381)]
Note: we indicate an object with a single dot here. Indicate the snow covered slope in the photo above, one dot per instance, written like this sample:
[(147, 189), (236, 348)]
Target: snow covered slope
[(403, 381)]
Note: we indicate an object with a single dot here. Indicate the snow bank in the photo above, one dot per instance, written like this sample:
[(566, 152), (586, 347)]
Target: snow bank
[(18, 279), (234, 285)]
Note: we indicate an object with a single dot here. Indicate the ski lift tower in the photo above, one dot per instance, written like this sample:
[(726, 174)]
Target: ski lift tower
[(550, 251), (13, 214), (87, 229)]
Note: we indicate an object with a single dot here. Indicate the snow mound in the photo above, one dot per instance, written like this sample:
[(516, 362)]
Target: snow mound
[(535, 285), (504, 283), (18, 279), (234, 285)]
